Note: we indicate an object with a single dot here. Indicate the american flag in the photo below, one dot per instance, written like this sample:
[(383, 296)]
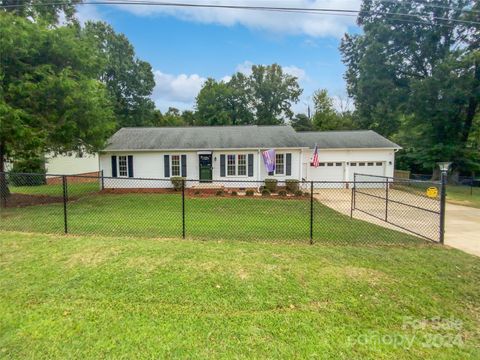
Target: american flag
[(315, 161)]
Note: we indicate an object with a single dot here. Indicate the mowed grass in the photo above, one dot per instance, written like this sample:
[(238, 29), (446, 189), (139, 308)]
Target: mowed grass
[(230, 218), (74, 189), (111, 297), (464, 195)]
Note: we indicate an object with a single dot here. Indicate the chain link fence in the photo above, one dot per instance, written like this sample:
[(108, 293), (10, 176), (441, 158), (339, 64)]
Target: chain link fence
[(270, 211), (415, 206)]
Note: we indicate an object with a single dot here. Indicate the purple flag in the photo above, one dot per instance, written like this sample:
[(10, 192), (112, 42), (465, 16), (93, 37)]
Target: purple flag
[(269, 160)]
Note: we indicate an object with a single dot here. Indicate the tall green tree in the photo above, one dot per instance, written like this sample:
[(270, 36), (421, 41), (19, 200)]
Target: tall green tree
[(326, 117), (224, 103), (272, 94), (301, 122), (50, 98), (129, 80), (45, 10), (417, 78)]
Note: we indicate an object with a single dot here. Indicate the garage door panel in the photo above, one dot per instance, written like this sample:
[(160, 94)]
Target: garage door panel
[(376, 168), (328, 171)]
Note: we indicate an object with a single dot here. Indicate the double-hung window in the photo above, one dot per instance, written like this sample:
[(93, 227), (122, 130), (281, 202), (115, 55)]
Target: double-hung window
[(242, 165), (279, 164), (176, 165), (122, 166), (231, 165)]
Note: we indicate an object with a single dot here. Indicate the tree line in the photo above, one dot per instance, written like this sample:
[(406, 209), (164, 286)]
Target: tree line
[(67, 87)]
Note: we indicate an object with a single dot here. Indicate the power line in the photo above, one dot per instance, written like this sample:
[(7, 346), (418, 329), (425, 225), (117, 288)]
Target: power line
[(321, 11)]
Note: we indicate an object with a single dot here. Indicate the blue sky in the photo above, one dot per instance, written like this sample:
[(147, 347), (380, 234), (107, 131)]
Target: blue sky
[(186, 46)]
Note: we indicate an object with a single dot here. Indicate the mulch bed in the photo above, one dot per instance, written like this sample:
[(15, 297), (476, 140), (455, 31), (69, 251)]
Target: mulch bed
[(21, 200)]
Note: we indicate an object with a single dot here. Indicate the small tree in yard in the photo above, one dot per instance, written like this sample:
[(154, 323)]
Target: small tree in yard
[(50, 98)]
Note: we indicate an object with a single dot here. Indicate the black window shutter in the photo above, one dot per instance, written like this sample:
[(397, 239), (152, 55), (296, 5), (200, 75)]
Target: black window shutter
[(130, 165), (250, 164), (288, 170), (114, 166), (222, 165), (184, 166), (166, 165)]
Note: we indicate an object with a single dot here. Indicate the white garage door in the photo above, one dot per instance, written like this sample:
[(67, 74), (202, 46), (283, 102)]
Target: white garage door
[(328, 171), (367, 167)]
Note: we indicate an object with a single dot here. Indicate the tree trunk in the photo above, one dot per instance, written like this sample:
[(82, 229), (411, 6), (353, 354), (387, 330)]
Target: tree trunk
[(4, 191), (472, 105)]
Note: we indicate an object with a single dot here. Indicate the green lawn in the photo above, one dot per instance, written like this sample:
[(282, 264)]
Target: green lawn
[(110, 297), (160, 215), (74, 189), (464, 195)]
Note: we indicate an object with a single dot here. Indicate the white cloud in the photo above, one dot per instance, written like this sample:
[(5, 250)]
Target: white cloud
[(176, 90), (300, 74), (181, 90), (87, 13), (311, 24)]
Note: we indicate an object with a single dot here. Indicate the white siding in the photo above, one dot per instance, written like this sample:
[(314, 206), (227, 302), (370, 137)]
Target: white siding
[(150, 165), (387, 156), (71, 164)]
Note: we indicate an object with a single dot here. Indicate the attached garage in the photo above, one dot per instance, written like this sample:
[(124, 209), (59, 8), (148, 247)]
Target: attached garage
[(328, 171), (366, 167), (343, 153)]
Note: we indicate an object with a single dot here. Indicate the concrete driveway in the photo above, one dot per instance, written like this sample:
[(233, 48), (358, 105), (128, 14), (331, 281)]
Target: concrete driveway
[(462, 223), (462, 228)]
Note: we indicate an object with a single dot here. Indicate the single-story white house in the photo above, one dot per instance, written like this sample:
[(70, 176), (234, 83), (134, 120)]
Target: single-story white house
[(233, 154)]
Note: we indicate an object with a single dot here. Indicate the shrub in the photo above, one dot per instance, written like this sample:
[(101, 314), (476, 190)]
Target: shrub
[(271, 185), (34, 166), (298, 193), (234, 193), (266, 192), (220, 193), (282, 193), (291, 185), (249, 192), (177, 182)]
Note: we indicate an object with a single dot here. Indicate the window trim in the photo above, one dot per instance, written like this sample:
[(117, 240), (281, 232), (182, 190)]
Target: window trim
[(236, 155), (179, 165), (126, 166), (284, 157)]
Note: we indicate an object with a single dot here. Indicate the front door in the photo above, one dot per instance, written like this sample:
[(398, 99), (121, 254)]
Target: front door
[(205, 166)]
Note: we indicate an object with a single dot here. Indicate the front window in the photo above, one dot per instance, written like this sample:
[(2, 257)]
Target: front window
[(231, 169), (176, 168), (122, 166), (280, 164), (242, 165)]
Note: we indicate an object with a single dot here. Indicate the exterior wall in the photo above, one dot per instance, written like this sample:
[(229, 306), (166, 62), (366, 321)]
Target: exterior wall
[(352, 155), (71, 164), (150, 165)]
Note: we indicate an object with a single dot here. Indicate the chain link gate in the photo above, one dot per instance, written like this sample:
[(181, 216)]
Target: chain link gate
[(415, 206)]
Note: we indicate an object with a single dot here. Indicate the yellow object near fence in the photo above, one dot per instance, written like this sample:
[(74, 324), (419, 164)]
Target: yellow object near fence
[(432, 192)]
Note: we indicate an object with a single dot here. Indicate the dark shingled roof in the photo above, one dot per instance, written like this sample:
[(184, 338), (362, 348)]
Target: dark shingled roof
[(204, 137), (240, 137), (354, 139)]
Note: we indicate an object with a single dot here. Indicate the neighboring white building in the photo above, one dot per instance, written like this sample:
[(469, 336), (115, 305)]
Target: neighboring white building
[(232, 154), (71, 164)]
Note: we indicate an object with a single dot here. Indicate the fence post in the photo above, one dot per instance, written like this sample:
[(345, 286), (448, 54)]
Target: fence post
[(183, 208), (103, 181), (3, 190), (311, 212), (354, 194), (443, 196), (65, 199), (386, 199)]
